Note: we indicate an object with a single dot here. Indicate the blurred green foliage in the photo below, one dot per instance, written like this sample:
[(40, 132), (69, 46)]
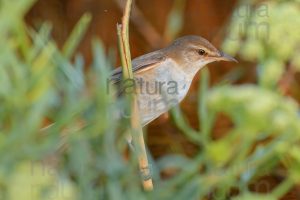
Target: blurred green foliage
[(266, 32), (80, 155)]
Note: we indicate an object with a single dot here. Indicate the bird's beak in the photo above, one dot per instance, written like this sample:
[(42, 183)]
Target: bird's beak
[(224, 57)]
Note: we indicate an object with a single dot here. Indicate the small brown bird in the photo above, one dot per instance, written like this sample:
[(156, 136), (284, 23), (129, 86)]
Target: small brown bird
[(163, 77)]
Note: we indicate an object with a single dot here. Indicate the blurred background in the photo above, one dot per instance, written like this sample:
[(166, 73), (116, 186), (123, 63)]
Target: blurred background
[(246, 114)]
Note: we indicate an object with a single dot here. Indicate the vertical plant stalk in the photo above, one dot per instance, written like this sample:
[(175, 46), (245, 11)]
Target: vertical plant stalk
[(136, 129)]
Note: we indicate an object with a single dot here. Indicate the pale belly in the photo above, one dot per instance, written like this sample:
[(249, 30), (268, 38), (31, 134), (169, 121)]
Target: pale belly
[(159, 90)]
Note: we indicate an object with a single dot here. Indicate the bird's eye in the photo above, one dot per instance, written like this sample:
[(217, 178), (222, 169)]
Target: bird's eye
[(201, 52)]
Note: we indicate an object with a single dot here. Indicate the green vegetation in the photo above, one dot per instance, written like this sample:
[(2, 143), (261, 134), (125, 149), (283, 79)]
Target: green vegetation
[(58, 139)]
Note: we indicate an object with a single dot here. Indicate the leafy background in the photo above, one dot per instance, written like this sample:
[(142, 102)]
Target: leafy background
[(236, 135)]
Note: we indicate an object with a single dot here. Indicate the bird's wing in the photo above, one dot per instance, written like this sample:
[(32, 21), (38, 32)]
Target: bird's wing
[(139, 64)]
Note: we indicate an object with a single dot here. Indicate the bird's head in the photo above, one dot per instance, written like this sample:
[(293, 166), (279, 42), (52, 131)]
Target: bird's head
[(194, 52)]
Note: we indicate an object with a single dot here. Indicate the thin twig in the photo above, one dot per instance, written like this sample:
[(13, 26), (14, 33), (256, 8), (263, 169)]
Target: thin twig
[(145, 28), (136, 129)]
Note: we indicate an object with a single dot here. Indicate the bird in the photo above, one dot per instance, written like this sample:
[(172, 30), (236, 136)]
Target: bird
[(163, 77)]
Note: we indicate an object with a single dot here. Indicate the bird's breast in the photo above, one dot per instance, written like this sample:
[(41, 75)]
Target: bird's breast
[(160, 88)]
